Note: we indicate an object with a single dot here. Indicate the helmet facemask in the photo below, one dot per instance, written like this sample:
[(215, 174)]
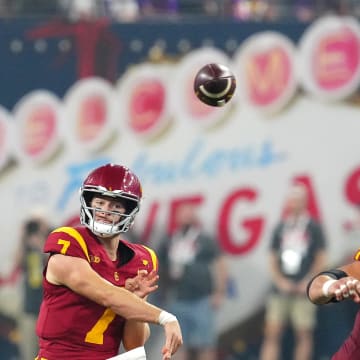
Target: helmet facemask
[(87, 213)]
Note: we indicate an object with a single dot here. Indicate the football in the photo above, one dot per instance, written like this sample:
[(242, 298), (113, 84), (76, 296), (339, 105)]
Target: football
[(214, 84)]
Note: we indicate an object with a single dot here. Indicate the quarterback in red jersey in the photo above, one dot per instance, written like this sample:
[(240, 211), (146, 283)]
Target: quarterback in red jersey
[(95, 283), (336, 285)]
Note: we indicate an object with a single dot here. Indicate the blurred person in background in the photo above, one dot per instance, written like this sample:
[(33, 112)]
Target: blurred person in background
[(297, 252), (200, 8), (76, 10), (249, 10), (95, 283), (150, 8), (193, 281), (305, 10), (9, 349), (122, 10), (30, 260), (180, 7), (117, 10)]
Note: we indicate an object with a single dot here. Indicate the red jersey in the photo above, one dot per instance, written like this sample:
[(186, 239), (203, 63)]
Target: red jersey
[(350, 349), (71, 326)]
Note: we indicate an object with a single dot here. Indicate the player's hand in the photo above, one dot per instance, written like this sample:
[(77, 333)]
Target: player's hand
[(143, 283), (345, 288), (173, 339)]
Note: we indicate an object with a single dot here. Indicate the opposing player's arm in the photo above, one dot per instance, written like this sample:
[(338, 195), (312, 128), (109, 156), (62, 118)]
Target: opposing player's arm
[(336, 285)]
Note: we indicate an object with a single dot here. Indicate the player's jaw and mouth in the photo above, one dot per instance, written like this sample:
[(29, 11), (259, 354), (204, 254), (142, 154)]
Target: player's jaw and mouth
[(108, 220), (106, 216)]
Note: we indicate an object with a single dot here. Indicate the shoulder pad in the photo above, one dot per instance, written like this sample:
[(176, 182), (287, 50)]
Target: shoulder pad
[(67, 241)]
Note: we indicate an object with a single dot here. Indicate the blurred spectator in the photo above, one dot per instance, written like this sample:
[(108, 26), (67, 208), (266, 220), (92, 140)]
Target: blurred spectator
[(81, 9), (122, 10), (9, 349), (30, 259), (134, 10), (250, 10), (201, 7), (156, 7), (304, 10), (180, 7), (193, 280), (297, 252), (116, 10)]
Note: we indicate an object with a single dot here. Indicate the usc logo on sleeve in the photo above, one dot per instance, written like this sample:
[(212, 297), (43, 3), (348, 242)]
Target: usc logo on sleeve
[(94, 259)]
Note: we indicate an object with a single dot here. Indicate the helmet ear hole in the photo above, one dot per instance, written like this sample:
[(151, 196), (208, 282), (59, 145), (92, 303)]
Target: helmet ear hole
[(88, 196), (130, 205)]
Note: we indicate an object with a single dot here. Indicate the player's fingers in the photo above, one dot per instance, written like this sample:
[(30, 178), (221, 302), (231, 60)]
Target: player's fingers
[(142, 273), (351, 285), (176, 343), (167, 350), (130, 284), (172, 344), (347, 289), (344, 291), (338, 295), (167, 347), (152, 276), (166, 354), (356, 298), (152, 273), (153, 280), (173, 336), (357, 289)]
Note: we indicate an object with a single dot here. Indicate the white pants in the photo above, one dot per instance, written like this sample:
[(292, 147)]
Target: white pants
[(135, 354)]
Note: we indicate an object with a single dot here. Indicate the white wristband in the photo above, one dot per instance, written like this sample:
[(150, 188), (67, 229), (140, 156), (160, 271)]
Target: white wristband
[(165, 317), (326, 285)]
